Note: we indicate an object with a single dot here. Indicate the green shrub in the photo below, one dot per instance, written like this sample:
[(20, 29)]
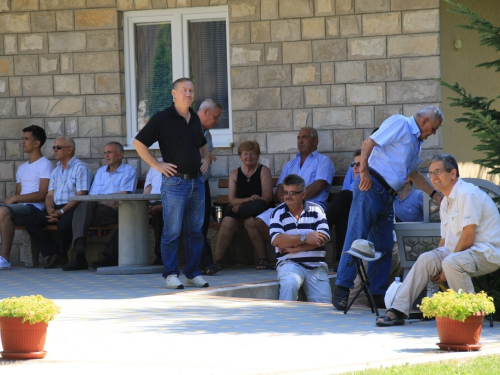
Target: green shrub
[(33, 309)]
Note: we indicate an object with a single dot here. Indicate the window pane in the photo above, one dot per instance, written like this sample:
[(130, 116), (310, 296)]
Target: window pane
[(154, 70), (208, 64)]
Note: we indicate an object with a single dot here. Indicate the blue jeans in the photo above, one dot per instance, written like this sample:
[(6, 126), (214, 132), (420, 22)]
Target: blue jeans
[(183, 207), (371, 217)]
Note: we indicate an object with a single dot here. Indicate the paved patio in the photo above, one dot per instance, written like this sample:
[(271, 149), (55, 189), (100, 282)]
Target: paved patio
[(132, 323)]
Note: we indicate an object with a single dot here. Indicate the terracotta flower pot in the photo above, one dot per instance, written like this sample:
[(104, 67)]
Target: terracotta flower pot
[(22, 340), (460, 336)]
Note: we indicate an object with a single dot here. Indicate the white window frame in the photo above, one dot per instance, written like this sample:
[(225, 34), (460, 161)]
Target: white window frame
[(178, 18)]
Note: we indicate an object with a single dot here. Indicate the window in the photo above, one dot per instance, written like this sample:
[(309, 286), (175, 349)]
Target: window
[(161, 46)]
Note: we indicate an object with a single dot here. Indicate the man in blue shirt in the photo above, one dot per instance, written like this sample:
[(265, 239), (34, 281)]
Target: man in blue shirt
[(316, 169), (388, 157), (113, 178), (70, 177)]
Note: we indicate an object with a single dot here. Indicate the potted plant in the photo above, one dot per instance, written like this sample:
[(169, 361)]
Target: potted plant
[(459, 317), (23, 326)]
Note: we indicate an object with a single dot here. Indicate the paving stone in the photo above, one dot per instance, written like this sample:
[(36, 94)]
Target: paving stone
[(362, 94), (365, 116), (247, 54), (347, 140), (10, 44), (324, 7), (15, 86), (67, 42), (26, 65), (103, 104), (33, 43), (7, 107), (91, 19), (22, 107), (90, 126), (244, 121), (344, 6), (102, 40), (65, 20), (313, 28), (301, 118), (332, 27), (274, 54), (107, 83), (68, 84), (61, 4), (338, 95), (6, 66), (14, 23), (327, 73), (4, 87), (329, 50), (269, 10), (413, 4), (317, 96), (112, 126), (260, 32), (23, 5), (96, 62), (58, 106), (38, 86), (371, 6), (244, 10), (49, 64), (383, 112), (239, 33)]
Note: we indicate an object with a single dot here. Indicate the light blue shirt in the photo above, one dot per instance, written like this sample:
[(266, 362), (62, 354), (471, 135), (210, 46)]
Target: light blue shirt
[(76, 177), (123, 179), (153, 178), (398, 151), (348, 179), (411, 208), (316, 167), (208, 137)]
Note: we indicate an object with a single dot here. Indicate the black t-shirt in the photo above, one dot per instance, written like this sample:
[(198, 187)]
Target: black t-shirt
[(179, 141)]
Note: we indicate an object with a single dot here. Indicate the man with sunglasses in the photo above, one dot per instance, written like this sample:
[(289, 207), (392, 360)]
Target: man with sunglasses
[(70, 177), (299, 231), (388, 157), (469, 245), (32, 181), (316, 169)]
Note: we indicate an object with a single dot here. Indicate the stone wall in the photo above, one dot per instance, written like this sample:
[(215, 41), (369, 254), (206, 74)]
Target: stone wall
[(341, 66)]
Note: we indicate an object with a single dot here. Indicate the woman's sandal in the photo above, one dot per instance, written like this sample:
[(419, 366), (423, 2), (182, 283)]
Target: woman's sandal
[(213, 268), (263, 264), (385, 321)]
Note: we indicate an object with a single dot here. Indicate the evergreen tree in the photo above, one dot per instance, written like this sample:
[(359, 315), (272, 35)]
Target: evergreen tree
[(161, 96), (479, 116)]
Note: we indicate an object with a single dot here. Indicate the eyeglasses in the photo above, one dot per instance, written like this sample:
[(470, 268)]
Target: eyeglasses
[(292, 193), (59, 147), (437, 172), (353, 164)]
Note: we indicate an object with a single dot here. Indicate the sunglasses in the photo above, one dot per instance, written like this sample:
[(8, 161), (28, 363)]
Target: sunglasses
[(292, 193), (59, 147), (353, 164)]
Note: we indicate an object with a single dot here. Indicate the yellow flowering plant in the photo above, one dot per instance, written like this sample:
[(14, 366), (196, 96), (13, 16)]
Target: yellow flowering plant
[(456, 306), (34, 309)]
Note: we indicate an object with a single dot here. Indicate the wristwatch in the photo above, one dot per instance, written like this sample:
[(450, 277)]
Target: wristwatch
[(303, 239), (61, 211)]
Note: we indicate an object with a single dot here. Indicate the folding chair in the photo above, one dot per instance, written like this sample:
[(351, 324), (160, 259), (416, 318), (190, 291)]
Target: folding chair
[(364, 250)]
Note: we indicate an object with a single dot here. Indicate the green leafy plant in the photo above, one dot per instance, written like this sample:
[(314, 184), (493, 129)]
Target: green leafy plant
[(34, 309), (456, 306)]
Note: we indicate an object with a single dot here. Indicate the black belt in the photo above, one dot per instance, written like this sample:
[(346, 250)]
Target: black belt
[(187, 176), (384, 183)]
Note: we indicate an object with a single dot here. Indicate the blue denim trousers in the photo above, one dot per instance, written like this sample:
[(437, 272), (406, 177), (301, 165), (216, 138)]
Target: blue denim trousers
[(183, 207), (371, 218)]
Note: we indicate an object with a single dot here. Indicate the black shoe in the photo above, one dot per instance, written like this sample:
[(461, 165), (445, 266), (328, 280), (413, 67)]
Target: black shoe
[(379, 301), (80, 245), (106, 262), (53, 261), (77, 264), (341, 297)]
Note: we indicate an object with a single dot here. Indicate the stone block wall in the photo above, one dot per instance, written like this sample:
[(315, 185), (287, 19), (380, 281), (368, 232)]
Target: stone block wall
[(341, 66)]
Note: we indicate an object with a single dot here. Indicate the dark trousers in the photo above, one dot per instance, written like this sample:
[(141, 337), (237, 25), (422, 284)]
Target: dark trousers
[(96, 214), (35, 225), (337, 213), (157, 223), (206, 255)]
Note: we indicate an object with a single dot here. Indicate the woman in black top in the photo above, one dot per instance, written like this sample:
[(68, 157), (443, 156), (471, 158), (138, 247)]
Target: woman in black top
[(250, 194)]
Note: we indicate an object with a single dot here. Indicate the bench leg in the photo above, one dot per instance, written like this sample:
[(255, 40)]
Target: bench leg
[(31, 254)]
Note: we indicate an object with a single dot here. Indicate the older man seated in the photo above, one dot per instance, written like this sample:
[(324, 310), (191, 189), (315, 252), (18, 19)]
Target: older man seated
[(469, 246), (299, 231)]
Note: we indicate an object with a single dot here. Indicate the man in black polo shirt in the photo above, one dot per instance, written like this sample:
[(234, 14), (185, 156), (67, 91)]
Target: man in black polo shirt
[(184, 150)]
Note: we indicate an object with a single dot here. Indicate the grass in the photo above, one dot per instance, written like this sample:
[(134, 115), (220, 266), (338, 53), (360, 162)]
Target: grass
[(482, 365)]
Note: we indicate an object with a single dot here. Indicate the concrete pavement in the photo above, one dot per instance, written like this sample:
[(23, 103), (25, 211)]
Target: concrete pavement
[(133, 324)]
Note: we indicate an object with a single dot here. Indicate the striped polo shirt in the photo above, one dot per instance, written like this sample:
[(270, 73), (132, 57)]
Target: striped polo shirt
[(312, 219)]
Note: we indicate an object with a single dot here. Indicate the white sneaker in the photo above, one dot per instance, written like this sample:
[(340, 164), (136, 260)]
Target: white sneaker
[(197, 281), (4, 264), (173, 282)]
